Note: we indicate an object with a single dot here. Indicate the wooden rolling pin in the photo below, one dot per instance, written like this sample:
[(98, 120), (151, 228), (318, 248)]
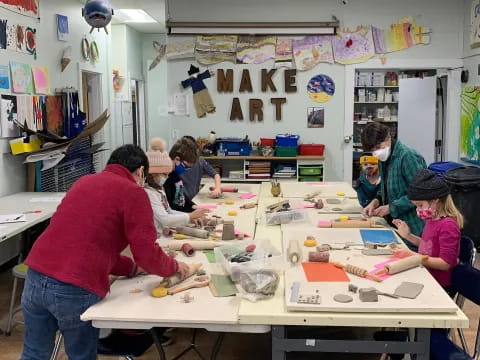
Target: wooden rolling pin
[(226, 189), (196, 282), (355, 270), (402, 265), (175, 279), (199, 233), (294, 254), (197, 244), (352, 224)]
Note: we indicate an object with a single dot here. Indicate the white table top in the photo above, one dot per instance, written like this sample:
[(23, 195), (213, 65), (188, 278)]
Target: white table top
[(21, 203), (292, 189)]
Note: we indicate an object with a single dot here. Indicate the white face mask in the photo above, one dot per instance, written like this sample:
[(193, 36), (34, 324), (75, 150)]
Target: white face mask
[(382, 154), (161, 181)]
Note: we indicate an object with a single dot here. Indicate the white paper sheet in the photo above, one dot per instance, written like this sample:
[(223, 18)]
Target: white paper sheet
[(46, 199), (12, 218)]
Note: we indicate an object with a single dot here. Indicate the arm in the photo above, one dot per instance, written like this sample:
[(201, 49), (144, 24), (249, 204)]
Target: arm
[(205, 75), (449, 241), (210, 171), (141, 235), (404, 231), (162, 215), (124, 267), (186, 83), (411, 163)]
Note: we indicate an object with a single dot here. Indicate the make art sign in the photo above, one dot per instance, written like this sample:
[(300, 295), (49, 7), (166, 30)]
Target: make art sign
[(256, 107)]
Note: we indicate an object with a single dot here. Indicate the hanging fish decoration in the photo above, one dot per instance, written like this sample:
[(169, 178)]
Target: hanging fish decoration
[(98, 14)]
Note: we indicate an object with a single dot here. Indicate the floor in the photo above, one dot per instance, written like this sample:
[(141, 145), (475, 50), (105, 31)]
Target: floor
[(235, 346)]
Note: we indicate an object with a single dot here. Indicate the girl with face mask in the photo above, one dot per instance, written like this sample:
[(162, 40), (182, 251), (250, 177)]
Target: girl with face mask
[(440, 240), (160, 167), (368, 184)]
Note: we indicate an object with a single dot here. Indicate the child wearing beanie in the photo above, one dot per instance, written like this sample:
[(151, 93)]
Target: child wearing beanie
[(440, 240), (160, 165), (368, 184)]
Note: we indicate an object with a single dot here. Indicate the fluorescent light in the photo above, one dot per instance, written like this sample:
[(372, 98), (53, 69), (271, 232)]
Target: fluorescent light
[(133, 16), (271, 28)]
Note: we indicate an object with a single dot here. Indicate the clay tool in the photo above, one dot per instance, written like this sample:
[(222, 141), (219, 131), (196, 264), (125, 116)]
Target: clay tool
[(32, 212), (248, 206), (188, 250), (228, 232), (225, 189), (358, 271), (401, 265), (282, 205), (196, 282), (175, 279), (295, 291), (317, 256), (294, 253), (376, 252), (199, 233), (197, 244), (181, 236), (311, 195)]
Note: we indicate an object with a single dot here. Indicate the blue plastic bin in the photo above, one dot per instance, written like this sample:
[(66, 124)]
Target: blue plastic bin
[(442, 167), (287, 140), (233, 146)]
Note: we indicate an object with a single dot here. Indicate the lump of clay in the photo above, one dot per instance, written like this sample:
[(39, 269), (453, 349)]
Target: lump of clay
[(368, 294), (333, 201), (342, 298)]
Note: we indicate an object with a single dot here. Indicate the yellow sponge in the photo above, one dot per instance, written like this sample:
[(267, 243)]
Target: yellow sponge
[(159, 292), (340, 193), (232, 213), (229, 202), (310, 242)]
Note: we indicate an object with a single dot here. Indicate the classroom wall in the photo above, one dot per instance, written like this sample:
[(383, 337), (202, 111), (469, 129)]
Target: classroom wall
[(443, 16), (471, 56), (49, 51)]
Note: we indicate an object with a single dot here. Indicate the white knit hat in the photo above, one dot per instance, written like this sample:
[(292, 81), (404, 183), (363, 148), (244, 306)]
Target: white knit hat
[(158, 159)]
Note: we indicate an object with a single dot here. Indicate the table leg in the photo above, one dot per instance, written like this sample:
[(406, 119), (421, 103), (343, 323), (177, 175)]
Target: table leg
[(158, 343), (278, 335), (217, 346), (423, 336)]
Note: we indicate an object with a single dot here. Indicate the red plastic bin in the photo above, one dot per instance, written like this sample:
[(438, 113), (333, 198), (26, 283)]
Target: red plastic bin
[(311, 149), (267, 142)]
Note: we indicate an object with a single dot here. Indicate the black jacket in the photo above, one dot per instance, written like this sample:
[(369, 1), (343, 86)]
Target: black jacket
[(176, 194)]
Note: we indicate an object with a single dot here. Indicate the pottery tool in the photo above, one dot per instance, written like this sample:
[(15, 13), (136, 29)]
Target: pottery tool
[(248, 206), (295, 291), (188, 250), (376, 252), (317, 256), (175, 279), (311, 195), (197, 244), (225, 189), (401, 265), (228, 232), (199, 233), (294, 254), (312, 299), (282, 205), (195, 282), (358, 271), (352, 223)]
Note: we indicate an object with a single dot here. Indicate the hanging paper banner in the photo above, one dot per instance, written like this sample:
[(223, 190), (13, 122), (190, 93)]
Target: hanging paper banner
[(284, 53), (28, 8), (312, 50), (214, 49), (255, 49), (353, 47), (181, 50)]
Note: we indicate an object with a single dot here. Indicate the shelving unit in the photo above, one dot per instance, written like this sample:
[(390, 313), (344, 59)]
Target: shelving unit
[(308, 168)]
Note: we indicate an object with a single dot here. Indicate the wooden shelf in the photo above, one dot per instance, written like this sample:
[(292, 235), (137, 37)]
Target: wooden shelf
[(376, 102), (300, 157), (380, 87), (363, 122)]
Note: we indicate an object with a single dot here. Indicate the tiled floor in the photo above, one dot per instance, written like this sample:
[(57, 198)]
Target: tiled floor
[(235, 346)]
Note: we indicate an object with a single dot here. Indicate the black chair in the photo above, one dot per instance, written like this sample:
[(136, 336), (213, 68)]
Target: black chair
[(468, 253), (466, 280), (129, 344)]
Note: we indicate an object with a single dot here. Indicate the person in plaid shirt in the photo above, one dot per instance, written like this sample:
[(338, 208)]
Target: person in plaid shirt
[(398, 165)]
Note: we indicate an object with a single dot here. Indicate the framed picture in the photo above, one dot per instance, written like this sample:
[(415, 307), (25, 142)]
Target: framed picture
[(316, 117)]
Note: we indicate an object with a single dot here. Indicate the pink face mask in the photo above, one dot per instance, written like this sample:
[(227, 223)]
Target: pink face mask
[(426, 214)]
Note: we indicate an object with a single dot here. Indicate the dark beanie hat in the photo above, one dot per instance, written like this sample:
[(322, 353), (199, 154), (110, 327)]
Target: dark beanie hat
[(427, 185)]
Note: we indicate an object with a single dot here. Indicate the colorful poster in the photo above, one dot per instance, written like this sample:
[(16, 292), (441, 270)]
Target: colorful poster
[(8, 116), (353, 47), (316, 117), (54, 115), (181, 50), (284, 53), (4, 78), (62, 27), (398, 37), (12, 37), (255, 49), (25, 7), (420, 34), (312, 50), (470, 125), (214, 49), (475, 24), (20, 33), (321, 88), (21, 77), (41, 79), (3, 34), (31, 41), (25, 111)]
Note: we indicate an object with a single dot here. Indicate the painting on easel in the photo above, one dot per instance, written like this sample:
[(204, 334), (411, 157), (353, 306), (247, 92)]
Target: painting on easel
[(470, 125)]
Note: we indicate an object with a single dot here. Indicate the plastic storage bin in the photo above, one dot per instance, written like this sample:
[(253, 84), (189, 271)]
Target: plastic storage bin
[(285, 217), (286, 151), (233, 147), (309, 170), (311, 149), (443, 166), (265, 256), (464, 184), (267, 142), (287, 140), (310, 179)]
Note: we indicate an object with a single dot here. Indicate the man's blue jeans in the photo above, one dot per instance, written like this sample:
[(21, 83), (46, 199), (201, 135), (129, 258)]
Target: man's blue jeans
[(49, 305)]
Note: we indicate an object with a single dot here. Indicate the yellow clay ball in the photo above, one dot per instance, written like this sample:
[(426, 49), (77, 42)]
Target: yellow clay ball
[(232, 213), (159, 292), (310, 242), (340, 193), (229, 202)]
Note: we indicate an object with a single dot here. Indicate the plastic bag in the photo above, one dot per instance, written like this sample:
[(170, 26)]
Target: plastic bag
[(259, 284)]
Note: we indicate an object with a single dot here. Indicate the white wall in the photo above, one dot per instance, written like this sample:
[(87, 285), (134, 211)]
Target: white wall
[(50, 50), (471, 56), (445, 17)]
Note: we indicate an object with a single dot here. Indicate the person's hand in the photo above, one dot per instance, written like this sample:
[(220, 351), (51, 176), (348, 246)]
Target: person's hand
[(198, 214), (381, 211), (216, 193), (402, 253), (183, 269), (212, 73), (368, 210), (402, 228)]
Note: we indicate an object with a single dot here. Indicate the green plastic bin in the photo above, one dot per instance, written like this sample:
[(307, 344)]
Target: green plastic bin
[(309, 170), (286, 151)]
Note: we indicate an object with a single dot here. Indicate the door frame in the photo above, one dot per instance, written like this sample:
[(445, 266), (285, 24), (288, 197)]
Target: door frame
[(452, 126), (141, 116)]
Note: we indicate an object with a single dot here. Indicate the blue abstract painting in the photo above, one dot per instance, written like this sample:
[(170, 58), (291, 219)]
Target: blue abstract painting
[(4, 78), (62, 27)]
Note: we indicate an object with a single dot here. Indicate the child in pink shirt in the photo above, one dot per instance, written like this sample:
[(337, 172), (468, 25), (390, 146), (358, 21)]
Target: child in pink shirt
[(440, 241)]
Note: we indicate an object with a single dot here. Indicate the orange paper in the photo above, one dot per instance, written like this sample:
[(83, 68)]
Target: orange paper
[(318, 272)]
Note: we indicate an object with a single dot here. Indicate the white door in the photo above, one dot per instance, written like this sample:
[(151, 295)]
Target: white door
[(127, 123), (417, 115)]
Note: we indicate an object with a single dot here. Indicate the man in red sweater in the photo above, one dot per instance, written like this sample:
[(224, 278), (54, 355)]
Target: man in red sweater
[(71, 261)]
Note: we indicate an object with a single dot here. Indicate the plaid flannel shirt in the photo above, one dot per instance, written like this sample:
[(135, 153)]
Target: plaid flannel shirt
[(402, 165)]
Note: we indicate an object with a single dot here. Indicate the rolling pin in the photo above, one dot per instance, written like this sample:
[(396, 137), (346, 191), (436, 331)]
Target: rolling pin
[(199, 233), (294, 254), (196, 245), (196, 282), (225, 189), (352, 224), (402, 265), (355, 270), (175, 279)]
